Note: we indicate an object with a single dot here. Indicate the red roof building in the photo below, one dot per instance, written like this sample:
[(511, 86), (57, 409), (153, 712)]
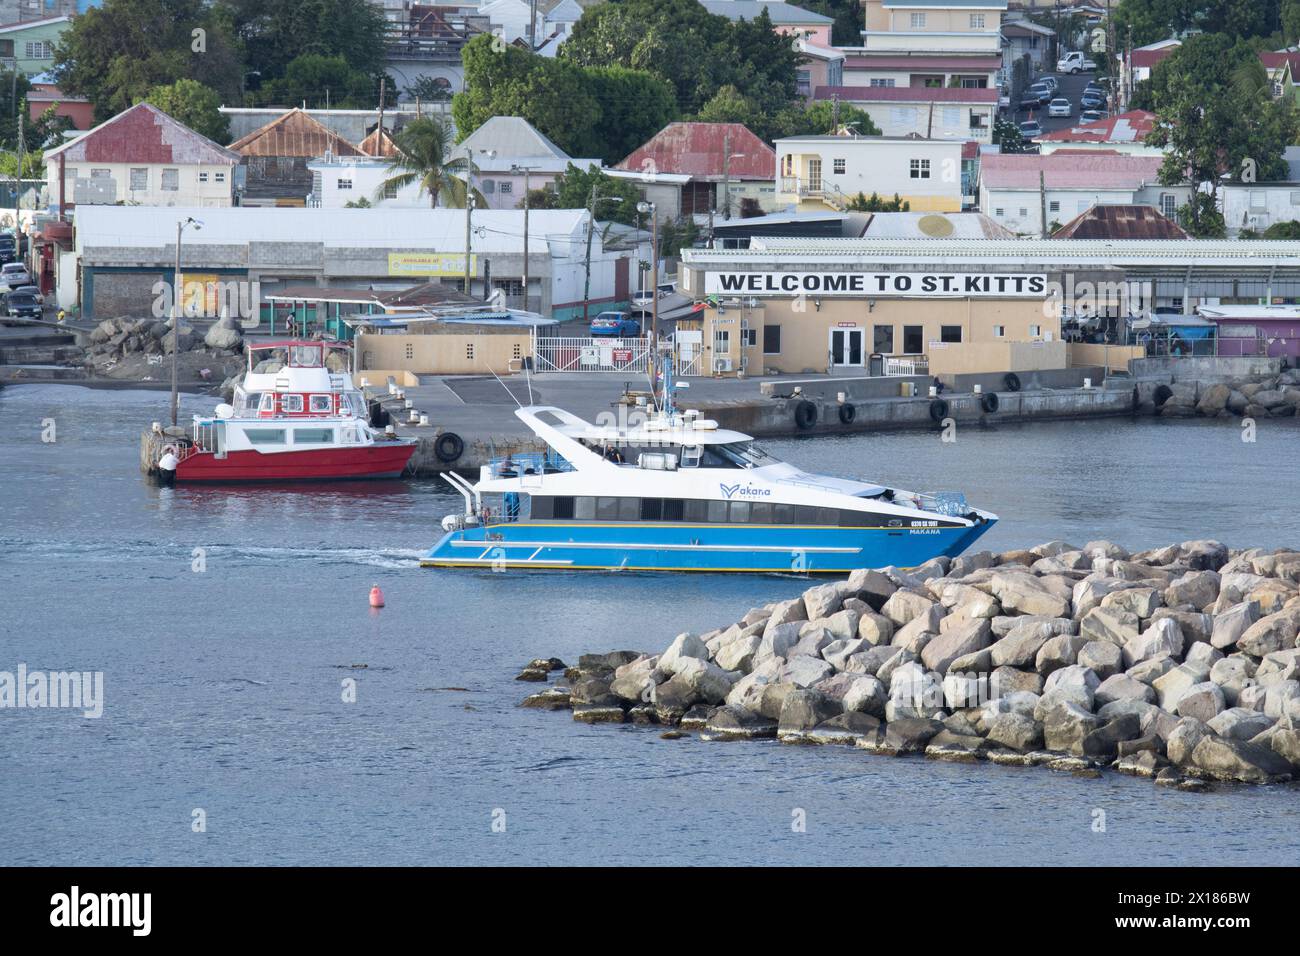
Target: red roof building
[(1123, 133), (701, 157), (1121, 221)]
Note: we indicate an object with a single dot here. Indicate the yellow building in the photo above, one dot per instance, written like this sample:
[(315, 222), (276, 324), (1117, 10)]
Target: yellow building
[(804, 306)]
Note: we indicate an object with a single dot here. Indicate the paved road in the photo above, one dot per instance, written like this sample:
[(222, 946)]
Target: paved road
[(1071, 88)]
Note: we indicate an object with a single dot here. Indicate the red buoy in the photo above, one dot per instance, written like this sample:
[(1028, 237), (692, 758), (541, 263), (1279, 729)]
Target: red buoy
[(376, 597)]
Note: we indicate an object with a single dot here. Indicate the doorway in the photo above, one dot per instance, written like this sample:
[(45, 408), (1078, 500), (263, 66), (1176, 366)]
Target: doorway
[(846, 348)]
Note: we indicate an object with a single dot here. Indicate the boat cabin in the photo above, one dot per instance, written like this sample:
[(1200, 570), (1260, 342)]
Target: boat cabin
[(297, 379)]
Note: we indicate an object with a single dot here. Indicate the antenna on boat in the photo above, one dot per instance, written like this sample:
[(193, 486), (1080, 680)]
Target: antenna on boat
[(507, 387)]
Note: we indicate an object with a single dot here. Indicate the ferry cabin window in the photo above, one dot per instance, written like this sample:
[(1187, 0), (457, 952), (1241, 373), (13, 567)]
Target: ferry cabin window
[(291, 403), (268, 403), (313, 436), (320, 403), (264, 436), (584, 509), (564, 508)]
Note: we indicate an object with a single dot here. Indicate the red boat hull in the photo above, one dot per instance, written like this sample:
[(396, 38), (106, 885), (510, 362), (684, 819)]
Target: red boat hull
[(382, 460)]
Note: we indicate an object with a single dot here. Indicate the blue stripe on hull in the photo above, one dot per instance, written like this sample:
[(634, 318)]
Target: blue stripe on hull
[(658, 547)]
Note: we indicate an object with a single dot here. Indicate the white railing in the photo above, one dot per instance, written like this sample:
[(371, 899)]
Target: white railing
[(907, 366), (595, 354)]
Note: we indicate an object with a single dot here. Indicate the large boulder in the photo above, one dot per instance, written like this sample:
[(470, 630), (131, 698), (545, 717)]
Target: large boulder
[(1238, 723), (737, 723), (913, 692), (1197, 588), (1237, 760), (1183, 740), (1065, 725), (939, 653), (1105, 740), (865, 695), (1139, 601), (777, 641), (1073, 683), (1123, 687), (1060, 651), (1102, 658), (875, 629), (738, 655), (224, 334), (1214, 399), (785, 612), (1202, 701), (1162, 638), (1173, 684), (920, 630), (804, 670), (1232, 674), (1113, 624), (1011, 680), (684, 647), (910, 734), (825, 599), (872, 586), (1272, 633), (708, 682), (1025, 594), (905, 605), (803, 710), (1020, 647), (1016, 731)]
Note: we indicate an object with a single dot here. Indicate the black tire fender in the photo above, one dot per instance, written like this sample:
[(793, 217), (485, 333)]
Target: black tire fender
[(1012, 381), (805, 415), (847, 414), (448, 447), (938, 409), (1161, 395), (989, 402)]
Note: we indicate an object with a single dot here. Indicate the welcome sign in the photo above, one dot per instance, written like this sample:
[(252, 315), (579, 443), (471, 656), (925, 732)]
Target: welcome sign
[(928, 284)]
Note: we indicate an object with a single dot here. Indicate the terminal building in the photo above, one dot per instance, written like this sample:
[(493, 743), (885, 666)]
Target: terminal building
[(799, 305)]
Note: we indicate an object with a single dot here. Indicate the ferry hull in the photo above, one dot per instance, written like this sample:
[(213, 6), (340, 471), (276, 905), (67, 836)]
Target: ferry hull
[(383, 460), (721, 548)]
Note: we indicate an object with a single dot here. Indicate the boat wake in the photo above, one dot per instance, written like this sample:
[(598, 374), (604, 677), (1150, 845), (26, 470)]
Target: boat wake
[(240, 555)]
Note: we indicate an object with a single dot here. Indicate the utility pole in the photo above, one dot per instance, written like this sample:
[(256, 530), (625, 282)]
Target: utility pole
[(176, 320), (726, 175), (835, 114), (379, 131), (527, 203), (1042, 202), (469, 211), (586, 286)]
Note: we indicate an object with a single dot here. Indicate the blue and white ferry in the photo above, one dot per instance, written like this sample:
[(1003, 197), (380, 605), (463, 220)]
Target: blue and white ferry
[(678, 493)]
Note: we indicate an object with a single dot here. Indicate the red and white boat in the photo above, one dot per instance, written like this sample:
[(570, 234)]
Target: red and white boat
[(293, 418)]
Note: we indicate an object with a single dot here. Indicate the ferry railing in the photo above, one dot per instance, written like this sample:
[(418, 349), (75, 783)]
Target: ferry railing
[(527, 464)]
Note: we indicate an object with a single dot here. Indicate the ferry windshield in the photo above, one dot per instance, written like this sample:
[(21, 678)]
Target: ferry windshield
[(744, 455)]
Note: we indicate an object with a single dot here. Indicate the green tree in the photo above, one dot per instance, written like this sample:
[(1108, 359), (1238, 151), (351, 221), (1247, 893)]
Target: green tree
[(275, 32), (847, 14), (317, 79), (1007, 135), (634, 105), (699, 53), (1147, 21), (822, 118), (552, 94), (195, 105), (1283, 230), (874, 203), (1217, 121), (729, 105), (116, 53), (424, 148), (48, 129), (13, 92), (1290, 17), (574, 187)]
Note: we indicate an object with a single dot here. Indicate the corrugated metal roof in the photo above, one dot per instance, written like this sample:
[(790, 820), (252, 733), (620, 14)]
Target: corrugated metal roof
[(1068, 170), (293, 134), (1240, 256), (497, 231), (1130, 127), (897, 61), (511, 136), (780, 12), (1121, 222), (906, 94), (934, 225), (143, 134), (697, 150)]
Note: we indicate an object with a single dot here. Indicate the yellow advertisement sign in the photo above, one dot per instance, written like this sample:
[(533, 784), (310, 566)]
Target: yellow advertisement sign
[(199, 293), (430, 264)]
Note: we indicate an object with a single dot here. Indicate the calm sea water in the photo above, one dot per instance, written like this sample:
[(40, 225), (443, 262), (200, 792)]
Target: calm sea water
[(223, 686)]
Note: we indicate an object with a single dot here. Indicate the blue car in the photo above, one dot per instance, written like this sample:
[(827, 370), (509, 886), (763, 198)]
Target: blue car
[(618, 324)]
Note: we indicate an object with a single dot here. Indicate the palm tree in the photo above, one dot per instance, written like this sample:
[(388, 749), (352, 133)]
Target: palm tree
[(423, 146)]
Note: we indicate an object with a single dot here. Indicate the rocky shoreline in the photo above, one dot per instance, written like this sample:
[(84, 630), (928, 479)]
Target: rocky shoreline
[(1261, 396), (1181, 664)]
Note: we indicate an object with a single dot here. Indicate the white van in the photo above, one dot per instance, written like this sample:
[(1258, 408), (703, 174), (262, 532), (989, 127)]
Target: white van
[(1075, 62)]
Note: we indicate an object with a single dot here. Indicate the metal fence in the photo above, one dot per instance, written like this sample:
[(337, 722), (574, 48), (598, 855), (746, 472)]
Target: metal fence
[(899, 366), (1165, 344), (564, 354)]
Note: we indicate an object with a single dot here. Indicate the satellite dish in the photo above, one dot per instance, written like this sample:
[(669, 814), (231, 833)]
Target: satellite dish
[(224, 411), (936, 227)]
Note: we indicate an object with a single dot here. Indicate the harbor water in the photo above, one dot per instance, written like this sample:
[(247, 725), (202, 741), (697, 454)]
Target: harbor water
[(230, 624)]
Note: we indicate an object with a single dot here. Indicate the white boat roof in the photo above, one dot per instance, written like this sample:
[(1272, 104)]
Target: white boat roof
[(679, 431)]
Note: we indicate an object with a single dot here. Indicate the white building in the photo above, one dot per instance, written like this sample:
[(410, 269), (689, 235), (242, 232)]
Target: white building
[(933, 26), (1017, 190), (142, 157), (339, 180), (1259, 205), (551, 27), (816, 172), (930, 112), (503, 148)]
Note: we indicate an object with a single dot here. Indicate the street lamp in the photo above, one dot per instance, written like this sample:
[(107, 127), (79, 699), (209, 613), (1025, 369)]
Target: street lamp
[(591, 214), (181, 226), (648, 209), (516, 169)]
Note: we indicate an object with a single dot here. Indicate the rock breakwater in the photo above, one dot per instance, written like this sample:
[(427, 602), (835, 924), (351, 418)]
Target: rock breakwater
[(1180, 664)]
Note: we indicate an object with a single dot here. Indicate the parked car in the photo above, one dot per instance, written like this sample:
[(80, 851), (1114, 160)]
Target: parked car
[(1093, 116), (22, 306), (8, 249), (30, 289), (1031, 128), (1051, 81), (1030, 103), (14, 274), (1040, 92), (618, 324), (1075, 62), (1060, 107), (1092, 101)]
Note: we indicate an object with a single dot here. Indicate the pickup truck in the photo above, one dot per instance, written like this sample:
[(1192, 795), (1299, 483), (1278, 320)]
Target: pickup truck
[(1075, 62)]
